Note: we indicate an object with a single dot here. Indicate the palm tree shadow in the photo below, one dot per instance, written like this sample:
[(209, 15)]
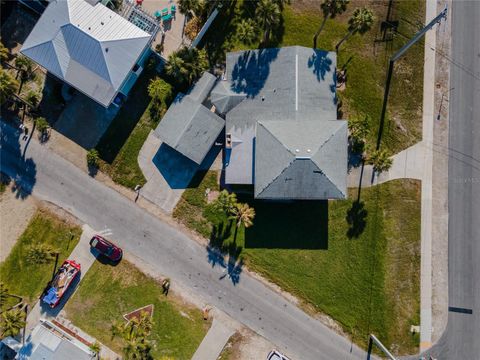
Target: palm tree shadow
[(356, 219)]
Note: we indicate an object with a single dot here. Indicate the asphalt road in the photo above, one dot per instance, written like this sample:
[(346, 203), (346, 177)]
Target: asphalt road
[(461, 339), (52, 178)]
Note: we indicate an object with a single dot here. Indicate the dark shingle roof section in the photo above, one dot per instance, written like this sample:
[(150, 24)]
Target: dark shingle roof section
[(190, 128), (301, 160)]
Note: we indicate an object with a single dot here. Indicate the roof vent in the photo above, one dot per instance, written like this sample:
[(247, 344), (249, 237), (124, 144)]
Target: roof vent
[(89, 28), (308, 150), (263, 98), (101, 22), (297, 150), (106, 49)]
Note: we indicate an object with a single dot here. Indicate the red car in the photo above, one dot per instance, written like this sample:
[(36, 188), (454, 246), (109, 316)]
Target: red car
[(106, 248)]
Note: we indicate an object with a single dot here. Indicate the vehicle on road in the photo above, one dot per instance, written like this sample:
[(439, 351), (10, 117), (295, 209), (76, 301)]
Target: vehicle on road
[(61, 282), (275, 355), (106, 248)]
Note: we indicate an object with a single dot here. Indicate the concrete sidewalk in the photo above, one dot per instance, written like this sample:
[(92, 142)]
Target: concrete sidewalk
[(81, 253), (216, 338)]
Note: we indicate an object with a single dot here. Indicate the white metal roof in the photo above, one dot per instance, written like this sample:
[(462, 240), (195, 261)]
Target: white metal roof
[(90, 47)]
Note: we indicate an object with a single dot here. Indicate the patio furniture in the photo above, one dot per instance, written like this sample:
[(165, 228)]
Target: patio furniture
[(157, 14), (173, 9), (164, 12), (139, 2), (167, 17)]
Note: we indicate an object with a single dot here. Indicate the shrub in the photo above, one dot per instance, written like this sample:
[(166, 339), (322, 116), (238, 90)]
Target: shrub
[(93, 157), (193, 28), (40, 253), (33, 98), (41, 124), (381, 160)]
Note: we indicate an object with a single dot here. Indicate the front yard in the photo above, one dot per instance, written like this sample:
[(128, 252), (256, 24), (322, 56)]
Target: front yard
[(27, 278), (107, 293), (359, 264)]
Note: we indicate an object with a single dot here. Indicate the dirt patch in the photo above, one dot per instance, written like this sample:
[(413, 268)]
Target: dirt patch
[(15, 214), (246, 345)]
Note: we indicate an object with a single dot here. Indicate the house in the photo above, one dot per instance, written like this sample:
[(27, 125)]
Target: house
[(189, 126), (90, 47), (282, 132), (50, 342)]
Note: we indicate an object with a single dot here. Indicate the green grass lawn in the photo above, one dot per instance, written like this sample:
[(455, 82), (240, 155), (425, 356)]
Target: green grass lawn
[(358, 264), (120, 145), (364, 59), (106, 293), (28, 280)]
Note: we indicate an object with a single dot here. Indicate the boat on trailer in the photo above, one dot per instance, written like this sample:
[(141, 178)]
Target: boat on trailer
[(61, 282)]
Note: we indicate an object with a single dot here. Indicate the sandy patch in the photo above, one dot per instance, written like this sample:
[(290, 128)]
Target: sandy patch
[(246, 345), (15, 214)]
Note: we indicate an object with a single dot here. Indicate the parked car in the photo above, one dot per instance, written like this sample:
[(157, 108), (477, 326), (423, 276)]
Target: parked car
[(275, 355), (106, 248)]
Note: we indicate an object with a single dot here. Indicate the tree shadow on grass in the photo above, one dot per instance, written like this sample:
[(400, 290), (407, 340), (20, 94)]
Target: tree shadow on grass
[(356, 219), (289, 225)]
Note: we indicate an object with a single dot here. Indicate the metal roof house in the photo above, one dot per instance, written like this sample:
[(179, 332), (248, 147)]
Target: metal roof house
[(91, 48), (189, 126), (49, 342), (282, 135)]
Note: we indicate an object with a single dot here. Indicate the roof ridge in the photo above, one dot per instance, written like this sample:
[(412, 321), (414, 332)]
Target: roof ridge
[(180, 133), (275, 178), (274, 136)]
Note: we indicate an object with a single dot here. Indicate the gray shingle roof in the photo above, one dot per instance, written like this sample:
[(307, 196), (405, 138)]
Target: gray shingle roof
[(90, 47), (202, 87), (295, 87), (225, 98), (190, 128), (301, 160)]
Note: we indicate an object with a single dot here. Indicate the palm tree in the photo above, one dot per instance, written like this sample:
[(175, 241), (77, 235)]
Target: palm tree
[(24, 67), (225, 202), (12, 322), (358, 128), (135, 334), (268, 14), (360, 22), (95, 348), (187, 7), (196, 62), (4, 53), (381, 160), (176, 67), (330, 9), (246, 31), (243, 215), (8, 86)]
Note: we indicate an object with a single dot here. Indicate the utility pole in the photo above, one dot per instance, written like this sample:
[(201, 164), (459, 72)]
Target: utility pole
[(395, 57)]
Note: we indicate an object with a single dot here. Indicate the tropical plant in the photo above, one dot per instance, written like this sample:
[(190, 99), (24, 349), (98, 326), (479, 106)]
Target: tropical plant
[(330, 9), (33, 98), (243, 216), (268, 15), (95, 347), (12, 321), (8, 86), (42, 124), (93, 157), (40, 253), (187, 7), (193, 28), (381, 160), (358, 128), (247, 31), (4, 53), (225, 202), (24, 66), (160, 91), (135, 335), (187, 64), (360, 22)]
